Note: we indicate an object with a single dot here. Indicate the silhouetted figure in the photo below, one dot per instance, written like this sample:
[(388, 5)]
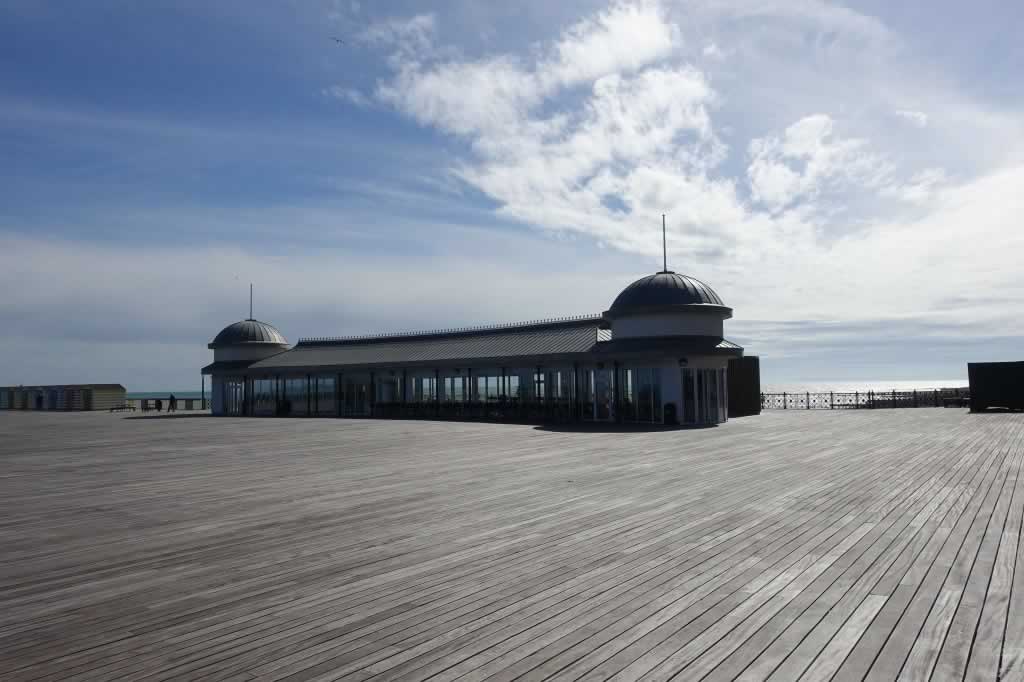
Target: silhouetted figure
[(172, 404), (159, 405)]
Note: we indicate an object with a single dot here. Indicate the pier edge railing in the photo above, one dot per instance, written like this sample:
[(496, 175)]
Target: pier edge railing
[(865, 400)]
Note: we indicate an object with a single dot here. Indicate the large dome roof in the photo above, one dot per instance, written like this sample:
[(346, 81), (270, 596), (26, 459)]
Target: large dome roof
[(249, 332), (665, 290)]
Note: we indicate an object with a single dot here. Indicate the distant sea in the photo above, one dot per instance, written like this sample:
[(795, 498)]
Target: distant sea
[(843, 386), (151, 395)]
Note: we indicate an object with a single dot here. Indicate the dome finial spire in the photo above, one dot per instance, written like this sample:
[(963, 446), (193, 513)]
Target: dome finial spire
[(250, 300), (664, 246)]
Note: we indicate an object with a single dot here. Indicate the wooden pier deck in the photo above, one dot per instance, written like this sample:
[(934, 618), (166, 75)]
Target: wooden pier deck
[(793, 545)]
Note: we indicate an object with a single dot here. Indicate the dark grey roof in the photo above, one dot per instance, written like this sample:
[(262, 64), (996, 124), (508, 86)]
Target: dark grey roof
[(556, 338), (665, 289), (248, 332)]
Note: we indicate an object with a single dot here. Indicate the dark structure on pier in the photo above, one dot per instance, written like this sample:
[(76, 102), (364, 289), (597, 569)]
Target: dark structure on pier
[(996, 384), (744, 386)]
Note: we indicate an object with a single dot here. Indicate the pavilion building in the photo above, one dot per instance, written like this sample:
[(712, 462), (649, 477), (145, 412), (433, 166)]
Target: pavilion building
[(657, 355)]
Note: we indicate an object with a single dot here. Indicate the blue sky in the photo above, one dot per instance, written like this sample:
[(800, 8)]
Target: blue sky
[(848, 178)]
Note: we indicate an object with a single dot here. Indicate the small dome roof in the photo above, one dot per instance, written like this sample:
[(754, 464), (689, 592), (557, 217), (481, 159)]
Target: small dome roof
[(249, 332), (665, 289)]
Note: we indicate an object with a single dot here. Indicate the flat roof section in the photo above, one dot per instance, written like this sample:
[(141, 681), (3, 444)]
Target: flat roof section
[(563, 338)]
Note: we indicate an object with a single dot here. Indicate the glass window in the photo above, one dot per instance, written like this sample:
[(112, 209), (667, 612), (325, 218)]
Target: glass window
[(689, 404), (540, 386), (326, 403), (723, 393), (355, 398), (512, 386), (713, 396), (562, 386), (234, 396), (422, 389), (645, 395), (627, 395), (488, 387), (264, 398), (296, 398), (454, 389), (387, 389), (587, 406), (603, 395)]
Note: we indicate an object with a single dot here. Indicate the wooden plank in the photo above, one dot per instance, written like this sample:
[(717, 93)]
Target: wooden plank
[(791, 544), (829, 660)]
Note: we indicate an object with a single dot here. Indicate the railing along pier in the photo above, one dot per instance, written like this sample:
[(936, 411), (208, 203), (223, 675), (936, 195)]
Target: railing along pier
[(868, 400)]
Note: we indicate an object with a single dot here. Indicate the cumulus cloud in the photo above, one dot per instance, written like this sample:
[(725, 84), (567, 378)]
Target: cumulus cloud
[(575, 137), (488, 95), (805, 160)]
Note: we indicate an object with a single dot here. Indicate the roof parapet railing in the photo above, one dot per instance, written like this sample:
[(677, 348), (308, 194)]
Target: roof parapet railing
[(453, 330)]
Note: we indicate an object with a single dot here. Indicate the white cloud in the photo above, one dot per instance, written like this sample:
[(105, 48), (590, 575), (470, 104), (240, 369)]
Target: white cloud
[(490, 94), (917, 118), (619, 40), (777, 167), (805, 160)]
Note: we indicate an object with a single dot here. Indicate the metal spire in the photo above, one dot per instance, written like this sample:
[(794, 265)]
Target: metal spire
[(664, 246), (250, 300)]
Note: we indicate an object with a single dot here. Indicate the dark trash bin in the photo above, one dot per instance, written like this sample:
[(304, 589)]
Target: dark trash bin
[(670, 414)]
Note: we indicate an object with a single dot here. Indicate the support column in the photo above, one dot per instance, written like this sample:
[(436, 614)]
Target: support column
[(616, 404)]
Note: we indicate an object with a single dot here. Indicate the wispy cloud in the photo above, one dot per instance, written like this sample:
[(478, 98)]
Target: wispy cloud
[(917, 118)]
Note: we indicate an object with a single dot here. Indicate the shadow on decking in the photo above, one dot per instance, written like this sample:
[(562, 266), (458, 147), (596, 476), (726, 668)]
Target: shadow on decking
[(618, 428), (171, 416)]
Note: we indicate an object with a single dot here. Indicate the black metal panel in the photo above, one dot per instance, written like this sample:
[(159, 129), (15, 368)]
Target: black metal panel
[(744, 380), (996, 384)]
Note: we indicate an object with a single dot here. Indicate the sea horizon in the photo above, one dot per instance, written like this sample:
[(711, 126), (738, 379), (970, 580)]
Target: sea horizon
[(848, 386), (152, 395)]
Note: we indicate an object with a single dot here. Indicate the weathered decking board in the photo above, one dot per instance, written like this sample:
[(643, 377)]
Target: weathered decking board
[(793, 545)]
